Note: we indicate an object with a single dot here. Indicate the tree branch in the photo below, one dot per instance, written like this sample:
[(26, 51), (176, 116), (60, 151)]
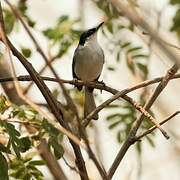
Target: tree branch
[(50, 100), (103, 87), (129, 141), (53, 164), (95, 85), (137, 138)]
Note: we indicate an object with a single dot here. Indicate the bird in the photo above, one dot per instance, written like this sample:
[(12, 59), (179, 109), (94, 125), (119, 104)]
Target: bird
[(87, 65)]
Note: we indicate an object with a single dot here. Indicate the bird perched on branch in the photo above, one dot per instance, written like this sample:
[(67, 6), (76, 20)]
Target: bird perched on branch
[(87, 65)]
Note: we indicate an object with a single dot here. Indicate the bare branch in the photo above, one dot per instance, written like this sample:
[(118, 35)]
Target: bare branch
[(95, 85), (137, 138)]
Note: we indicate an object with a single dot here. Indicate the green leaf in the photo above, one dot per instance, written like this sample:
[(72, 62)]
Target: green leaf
[(126, 44), (50, 128), (176, 23), (136, 56), (37, 163), (110, 27), (22, 6), (50, 33), (112, 116), (55, 93), (139, 147), (3, 168), (173, 2), (118, 56), (151, 142), (130, 63), (119, 138), (134, 49), (16, 150), (62, 19), (30, 22), (25, 144), (143, 68), (9, 20), (58, 149), (114, 124), (111, 68), (26, 52), (11, 129), (3, 103), (4, 148)]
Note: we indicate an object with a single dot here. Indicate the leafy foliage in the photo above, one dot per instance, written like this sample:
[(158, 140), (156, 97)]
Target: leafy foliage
[(62, 35), (19, 144), (54, 139), (4, 103), (25, 168), (136, 59), (10, 21), (22, 7), (26, 52), (122, 119)]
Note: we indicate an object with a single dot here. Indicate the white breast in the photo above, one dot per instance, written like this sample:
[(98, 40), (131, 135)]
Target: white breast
[(89, 61)]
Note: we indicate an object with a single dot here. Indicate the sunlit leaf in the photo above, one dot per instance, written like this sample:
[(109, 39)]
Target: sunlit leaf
[(9, 20), (143, 68), (26, 52), (111, 68), (37, 163)]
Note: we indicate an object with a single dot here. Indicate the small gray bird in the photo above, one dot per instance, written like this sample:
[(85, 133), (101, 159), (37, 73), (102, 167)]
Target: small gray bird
[(87, 65)]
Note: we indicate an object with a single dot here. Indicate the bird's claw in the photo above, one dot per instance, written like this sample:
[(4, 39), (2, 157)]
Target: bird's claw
[(75, 81), (103, 84)]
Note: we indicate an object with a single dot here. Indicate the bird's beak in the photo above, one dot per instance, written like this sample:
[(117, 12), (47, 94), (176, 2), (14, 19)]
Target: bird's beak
[(99, 26)]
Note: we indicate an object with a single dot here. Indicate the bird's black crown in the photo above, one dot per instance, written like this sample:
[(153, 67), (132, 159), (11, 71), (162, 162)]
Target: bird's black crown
[(85, 35)]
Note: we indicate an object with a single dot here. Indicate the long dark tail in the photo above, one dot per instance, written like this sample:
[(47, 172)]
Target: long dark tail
[(89, 104)]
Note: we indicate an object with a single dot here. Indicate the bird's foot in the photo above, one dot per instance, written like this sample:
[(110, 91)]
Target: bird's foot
[(75, 81), (103, 85), (76, 84)]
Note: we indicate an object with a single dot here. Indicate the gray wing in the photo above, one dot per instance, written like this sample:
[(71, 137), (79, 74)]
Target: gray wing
[(73, 66)]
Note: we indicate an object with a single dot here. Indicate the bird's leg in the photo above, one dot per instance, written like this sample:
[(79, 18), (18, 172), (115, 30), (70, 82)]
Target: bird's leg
[(75, 82), (102, 83)]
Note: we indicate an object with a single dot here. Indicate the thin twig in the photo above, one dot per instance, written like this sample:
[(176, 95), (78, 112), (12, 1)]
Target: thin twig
[(135, 104), (70, 166), (137, 138), (40, 72)]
